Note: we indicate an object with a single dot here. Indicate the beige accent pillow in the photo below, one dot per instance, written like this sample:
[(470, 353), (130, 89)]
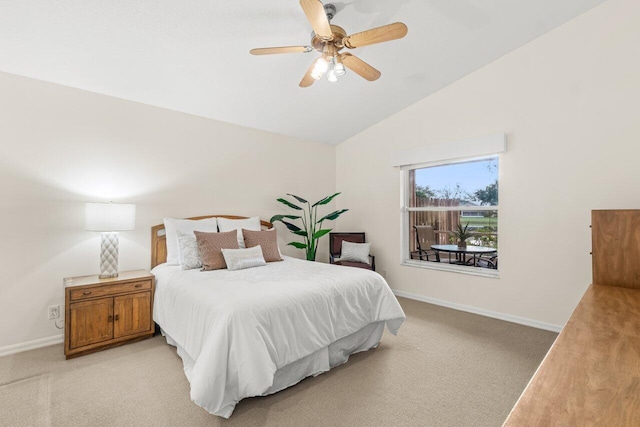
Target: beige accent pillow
[(268, 239), (210, 247)]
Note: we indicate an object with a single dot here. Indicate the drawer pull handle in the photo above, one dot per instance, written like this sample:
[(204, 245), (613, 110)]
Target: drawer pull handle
[(86, 293), (139, 285), (115, 317), (110, 319)]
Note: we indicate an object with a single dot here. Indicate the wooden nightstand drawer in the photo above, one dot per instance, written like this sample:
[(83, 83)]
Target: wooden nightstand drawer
[(106, 290)]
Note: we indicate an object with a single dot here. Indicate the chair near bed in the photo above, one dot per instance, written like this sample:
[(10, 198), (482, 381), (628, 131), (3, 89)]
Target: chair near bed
[(335, 249)]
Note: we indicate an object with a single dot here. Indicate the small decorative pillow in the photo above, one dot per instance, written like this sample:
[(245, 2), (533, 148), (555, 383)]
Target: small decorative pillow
[(267, 239), (239, 259), (225, 224), (355, 252), (188, 250), (210, 247)]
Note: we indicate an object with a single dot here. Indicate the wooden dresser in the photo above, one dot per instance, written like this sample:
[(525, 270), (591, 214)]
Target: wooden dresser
[(103, 313), (591, 375)]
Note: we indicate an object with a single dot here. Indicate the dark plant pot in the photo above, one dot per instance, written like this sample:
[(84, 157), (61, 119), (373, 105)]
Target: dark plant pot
[(462, 244)]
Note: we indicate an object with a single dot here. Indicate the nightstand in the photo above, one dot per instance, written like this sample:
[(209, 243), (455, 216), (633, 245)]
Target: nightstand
[(104, 313)]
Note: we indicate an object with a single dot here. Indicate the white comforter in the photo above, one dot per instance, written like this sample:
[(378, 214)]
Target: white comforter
[(238, 328)]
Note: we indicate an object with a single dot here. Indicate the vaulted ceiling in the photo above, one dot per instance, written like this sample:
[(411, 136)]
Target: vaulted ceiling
[(193, 55)]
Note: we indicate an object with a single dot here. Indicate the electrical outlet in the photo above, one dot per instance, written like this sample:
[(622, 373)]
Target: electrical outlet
[(54, 312)]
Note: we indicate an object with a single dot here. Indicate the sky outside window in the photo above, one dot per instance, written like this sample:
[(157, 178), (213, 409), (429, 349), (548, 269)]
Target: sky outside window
[(471, 176)]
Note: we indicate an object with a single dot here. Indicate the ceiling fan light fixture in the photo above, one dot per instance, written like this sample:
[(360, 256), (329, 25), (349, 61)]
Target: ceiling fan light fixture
[(338, 66), (331, 76), (319, 68)]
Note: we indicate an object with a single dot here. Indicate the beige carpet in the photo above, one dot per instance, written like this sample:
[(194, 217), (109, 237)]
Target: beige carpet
[(445, 368), (29, 402)]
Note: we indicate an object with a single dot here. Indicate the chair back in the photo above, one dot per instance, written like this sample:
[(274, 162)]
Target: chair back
[(425, 237), (336, 239)]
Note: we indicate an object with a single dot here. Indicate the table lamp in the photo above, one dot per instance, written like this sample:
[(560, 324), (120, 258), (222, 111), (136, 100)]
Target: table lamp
[(109, 218)]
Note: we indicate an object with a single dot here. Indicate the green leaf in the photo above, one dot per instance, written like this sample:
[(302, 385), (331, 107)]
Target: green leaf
[(300, 233), (318, 234), (288, 203), (325, 200), (300, 199), (279, 217), (298, 245), (291, 227), (332, 215)]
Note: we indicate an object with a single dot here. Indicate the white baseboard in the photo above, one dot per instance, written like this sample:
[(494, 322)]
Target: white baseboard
[(30, 345), (480, 311)]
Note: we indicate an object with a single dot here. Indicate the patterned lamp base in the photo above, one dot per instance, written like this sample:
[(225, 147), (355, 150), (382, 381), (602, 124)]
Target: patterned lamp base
[(108, 255)]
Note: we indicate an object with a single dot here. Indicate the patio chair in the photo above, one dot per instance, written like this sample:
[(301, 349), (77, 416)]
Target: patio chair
[(488, 261), (335, 249), (425, 237)]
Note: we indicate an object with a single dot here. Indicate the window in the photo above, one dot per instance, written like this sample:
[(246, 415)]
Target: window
[(445, 200)]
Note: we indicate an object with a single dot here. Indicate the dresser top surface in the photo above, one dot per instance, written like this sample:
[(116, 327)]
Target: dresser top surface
[(591, 375), (94, 279)]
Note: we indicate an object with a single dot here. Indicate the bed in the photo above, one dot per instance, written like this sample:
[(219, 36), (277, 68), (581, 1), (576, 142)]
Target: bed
[(257, 331)]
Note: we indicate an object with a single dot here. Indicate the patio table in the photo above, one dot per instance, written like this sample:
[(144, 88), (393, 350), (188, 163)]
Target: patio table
[(461, 253)]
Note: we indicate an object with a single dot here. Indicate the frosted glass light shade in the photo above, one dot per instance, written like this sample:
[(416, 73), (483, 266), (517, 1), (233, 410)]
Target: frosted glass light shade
[(109, 216)]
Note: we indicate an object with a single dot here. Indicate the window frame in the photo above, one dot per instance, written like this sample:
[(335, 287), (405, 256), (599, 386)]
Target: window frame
[(405, 210)]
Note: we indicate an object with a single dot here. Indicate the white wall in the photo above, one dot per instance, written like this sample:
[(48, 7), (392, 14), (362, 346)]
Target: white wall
[(60, 147), (568, 102)]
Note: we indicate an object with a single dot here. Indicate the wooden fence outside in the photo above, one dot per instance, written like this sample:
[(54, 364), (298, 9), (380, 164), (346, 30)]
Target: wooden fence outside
[(442, 222)]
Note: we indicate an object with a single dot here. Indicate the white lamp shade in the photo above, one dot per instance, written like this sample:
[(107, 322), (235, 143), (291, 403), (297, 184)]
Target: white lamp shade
[(109, 216)]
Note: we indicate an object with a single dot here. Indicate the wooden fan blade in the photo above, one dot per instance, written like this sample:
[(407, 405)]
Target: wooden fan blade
[(283, 49), (307, 80), (360, 67), (376, 35), (317, 18)]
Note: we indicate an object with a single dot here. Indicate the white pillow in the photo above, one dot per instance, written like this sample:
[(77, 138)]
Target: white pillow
[(355, 252), (185, 226), (239, 259), (188, 251), (252, 224)]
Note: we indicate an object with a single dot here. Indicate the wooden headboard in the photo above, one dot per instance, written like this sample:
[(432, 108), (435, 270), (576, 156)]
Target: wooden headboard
[(159, 238)]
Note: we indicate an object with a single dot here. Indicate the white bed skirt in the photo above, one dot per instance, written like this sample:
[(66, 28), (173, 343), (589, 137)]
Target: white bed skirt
[(314, 364)]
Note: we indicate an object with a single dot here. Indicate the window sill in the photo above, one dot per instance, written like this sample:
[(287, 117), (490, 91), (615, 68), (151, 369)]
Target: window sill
[(444, 266)]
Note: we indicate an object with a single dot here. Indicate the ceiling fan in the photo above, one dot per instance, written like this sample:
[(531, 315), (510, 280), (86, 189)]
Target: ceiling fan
[(330, 40)]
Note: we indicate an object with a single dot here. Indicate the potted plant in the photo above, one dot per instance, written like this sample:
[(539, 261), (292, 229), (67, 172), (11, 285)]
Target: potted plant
[(461, 234), (311, 230)]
